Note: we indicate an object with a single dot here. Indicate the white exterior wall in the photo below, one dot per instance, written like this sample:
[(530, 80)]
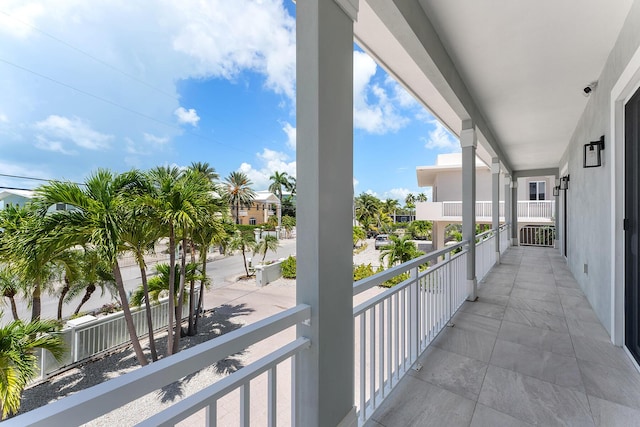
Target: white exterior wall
[(448, 186), (590, 195)]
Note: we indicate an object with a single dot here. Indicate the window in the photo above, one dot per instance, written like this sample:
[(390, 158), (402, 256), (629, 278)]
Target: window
[(252, 221), (60, 206), (537, 190)]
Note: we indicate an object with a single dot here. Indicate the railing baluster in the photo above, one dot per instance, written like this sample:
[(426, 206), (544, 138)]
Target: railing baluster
[(363, 361), (211, 415), (381, 351), (372, 359), (272, 396), (245, 404)]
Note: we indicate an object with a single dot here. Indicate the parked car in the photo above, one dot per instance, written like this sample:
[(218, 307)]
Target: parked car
[(382, 240)]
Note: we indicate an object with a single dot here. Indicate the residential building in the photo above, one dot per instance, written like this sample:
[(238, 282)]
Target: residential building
[(22, 197), (264, 205), (508, 79), (536, 205)]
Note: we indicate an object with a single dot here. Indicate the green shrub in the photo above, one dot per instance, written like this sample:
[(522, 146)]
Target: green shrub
[(362, 271), (396, 280), (289, 268)]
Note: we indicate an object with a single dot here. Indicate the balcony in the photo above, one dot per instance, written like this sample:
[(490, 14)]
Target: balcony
[(530, 350), (533, 212)]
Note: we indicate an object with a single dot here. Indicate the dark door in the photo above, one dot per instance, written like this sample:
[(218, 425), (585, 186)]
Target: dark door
[(632, 226), (565, 228)]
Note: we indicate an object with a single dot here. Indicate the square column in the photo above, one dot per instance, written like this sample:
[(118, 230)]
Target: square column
[(468, 142), (514, 212), (324, 374), (495, 204), (507, 200)]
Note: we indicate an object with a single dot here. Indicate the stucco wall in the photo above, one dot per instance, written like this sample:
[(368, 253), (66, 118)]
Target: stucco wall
[(589, 194), (523, 187), (449, 186)]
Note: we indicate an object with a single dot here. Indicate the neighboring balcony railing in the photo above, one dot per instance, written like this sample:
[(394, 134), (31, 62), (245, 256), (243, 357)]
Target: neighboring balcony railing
[(538, 236), (393, 328), (533, 209)]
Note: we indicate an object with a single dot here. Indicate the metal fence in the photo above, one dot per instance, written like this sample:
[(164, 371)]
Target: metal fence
[(538, 235), (485, 253)]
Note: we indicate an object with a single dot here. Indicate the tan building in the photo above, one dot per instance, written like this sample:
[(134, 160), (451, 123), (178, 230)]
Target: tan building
[(536, 203), (264, 205)]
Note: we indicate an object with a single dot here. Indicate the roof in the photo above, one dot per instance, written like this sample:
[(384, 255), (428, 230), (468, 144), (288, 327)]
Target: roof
[(266, 196), (27, 194)]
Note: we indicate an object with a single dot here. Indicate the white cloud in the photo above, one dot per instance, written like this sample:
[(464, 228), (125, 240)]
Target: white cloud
[(291, 135), (355, 182), (55, 129), (269, 161), (156, 140), (4, 118), (45, 144), (187, 116), (396, 193), (440, 139), (374, 111)]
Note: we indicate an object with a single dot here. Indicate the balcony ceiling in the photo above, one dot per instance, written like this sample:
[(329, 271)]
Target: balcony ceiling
[(517, 68)]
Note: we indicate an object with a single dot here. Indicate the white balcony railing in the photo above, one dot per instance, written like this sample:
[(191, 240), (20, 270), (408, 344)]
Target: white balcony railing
[(485, 253), (505, 237), (91, 403), (526, 209), (393, 328)]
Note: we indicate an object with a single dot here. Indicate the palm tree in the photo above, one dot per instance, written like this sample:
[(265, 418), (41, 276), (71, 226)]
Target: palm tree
[(94, 273), (18, 362), (206, 170), (390, 207), (27, 245), (139, 238), (97, 219), (268, 243), (208, 232), (245, 241), (177, 201), (421, 197), (400, 250), (68, 264), (278, 181), (10, 286), (410, 203), (367, 208), (239, 192)]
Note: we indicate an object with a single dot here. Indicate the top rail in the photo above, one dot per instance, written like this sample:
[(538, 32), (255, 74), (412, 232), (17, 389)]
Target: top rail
[(98, 400), (371, 281)]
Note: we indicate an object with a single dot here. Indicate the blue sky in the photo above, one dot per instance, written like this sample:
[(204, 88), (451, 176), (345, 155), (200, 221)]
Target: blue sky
[(115, 84)]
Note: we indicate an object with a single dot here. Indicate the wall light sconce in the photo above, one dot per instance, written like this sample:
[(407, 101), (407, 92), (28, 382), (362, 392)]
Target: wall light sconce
[(556, 191), (564, 183), (593, 153)]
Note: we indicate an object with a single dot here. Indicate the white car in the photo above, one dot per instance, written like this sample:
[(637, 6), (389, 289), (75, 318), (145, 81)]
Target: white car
[(382, 240)]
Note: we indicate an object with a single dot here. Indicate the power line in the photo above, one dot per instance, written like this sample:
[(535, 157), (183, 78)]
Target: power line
[(15, 188), (130, 110), (100, 61), (33, 179)]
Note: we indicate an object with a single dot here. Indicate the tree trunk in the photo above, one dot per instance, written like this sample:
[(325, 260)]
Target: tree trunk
[(201, 296), (192, 294), (135, 342), (244, 258), (35, 303), (183, 263), (172, 288), (87, 294), (9, 294), (238, 211), (147, 304), (63, 293)]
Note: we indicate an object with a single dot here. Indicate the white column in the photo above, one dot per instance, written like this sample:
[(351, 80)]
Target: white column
[(514, 212), (325, 372), (495, 204), (468, 142), (507, 200)]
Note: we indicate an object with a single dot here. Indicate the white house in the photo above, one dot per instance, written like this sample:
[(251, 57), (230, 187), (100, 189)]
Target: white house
[(536, 204)]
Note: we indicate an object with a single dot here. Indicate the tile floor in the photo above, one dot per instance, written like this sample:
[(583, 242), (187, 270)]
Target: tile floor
[(530, 351)]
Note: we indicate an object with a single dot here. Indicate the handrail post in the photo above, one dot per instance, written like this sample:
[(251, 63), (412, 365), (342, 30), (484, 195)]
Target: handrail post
[(414, 315)]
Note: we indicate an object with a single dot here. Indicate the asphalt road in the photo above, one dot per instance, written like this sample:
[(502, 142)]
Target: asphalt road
[(222, 271)]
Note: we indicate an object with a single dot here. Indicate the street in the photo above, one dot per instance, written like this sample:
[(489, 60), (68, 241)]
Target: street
[(222, 272)]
